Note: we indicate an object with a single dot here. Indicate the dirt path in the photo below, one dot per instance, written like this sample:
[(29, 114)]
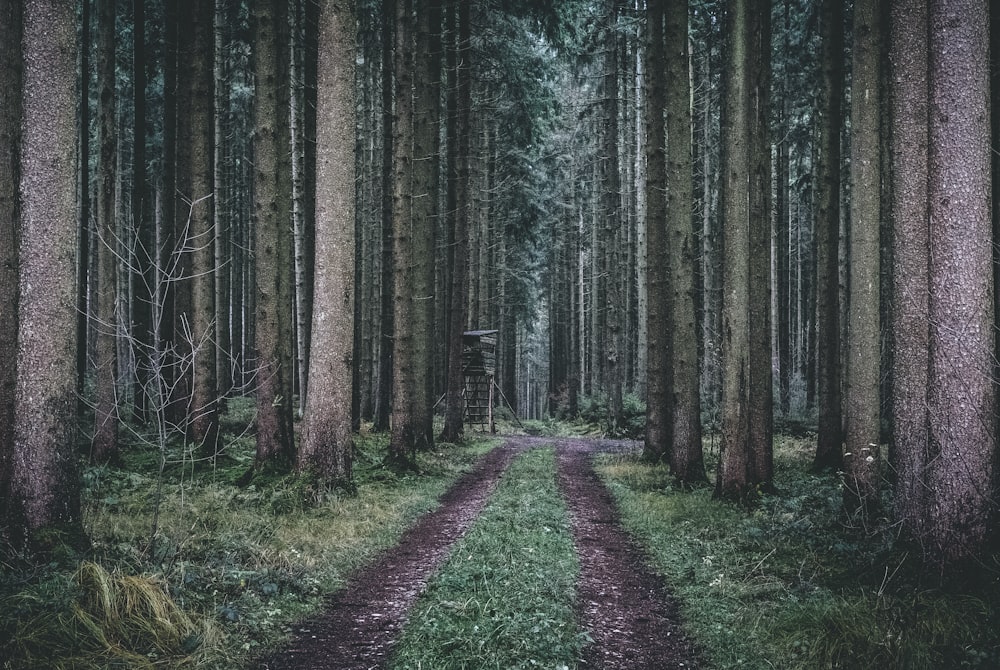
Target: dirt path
[(622, 604), (362, 622)]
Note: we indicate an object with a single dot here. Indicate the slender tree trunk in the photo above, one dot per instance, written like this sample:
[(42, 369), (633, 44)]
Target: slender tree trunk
[(104, 446), (760, 402), (862, 415), (83, 186), (732, 480), (204, 407), (459, 182), (383, 400), (408, 427), (272, 218), (426, 151), (828, 370), (611, 230), (659, 405), (327, 444), (10, 236), (46, 486), (686, 459), (144, 257)]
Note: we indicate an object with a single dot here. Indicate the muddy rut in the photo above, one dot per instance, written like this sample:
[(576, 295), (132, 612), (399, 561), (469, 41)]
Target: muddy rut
[(623, 606)]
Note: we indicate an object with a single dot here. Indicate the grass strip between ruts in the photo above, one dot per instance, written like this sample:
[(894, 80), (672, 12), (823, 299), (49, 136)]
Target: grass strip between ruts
[(505, 597)]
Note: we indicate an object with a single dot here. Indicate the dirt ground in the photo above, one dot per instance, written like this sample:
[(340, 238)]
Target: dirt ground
[(623, 606)]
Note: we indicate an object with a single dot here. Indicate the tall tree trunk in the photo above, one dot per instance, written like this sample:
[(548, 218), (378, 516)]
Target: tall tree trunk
[(222, 205), (383, 400), (272, 217), (104, 445), (83, 188), (910, 336), (144, 257), (862, 415), (760, 401), (204, 407), (46, 486), (828, 376), (408, 427), (961, 398), (327, 444), (659, 405), (425, 198), (686, 459), (459, 189), (10, 236), (611, 229)]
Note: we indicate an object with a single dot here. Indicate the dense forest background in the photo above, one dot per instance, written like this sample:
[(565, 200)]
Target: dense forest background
[(682, 218)]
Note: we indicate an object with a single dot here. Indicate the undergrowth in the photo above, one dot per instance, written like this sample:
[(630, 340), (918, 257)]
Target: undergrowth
[(788, 585), (504, 599), (230, 568)]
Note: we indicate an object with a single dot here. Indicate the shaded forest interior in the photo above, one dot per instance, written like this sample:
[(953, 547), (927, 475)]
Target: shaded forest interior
[(682, 219)]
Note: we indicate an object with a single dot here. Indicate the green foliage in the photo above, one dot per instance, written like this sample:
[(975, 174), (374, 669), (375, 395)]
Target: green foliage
[(786, 585), (505, 597), (230, 568)]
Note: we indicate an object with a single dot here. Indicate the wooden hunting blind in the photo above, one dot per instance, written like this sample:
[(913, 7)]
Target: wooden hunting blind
[(479, 367)]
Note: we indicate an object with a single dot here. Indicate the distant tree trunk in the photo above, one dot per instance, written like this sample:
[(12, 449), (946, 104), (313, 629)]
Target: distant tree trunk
[(272, 220), (611, 229), (761, 399), (46, 485), (783, 279), (383, 400), (144, 256), (83, 188), (459, 198), (425, 197), (828, 377), (961, 398), (104, 446), (327, 443), (204, 387), (10, 235), (659, 405), (862, 415), (686, 459), (408, 425), (222, 205), (732, 478), (910, 335)]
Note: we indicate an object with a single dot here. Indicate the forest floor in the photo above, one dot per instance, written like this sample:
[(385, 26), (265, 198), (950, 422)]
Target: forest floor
[(629, 618)]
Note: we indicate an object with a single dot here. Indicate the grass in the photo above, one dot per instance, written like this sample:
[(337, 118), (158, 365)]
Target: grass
[(787, 585), (231, 568), (505, 597)]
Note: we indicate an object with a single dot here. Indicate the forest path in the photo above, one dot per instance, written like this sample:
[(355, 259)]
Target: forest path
[(621, 603)]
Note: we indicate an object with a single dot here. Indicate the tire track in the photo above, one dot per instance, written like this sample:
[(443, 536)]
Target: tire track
[(361, 623)]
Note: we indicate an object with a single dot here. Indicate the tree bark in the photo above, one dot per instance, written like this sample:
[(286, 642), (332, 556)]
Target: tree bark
[(686, 459), (327, 443), (732, 477), (272, 218), (659, 405), (104, 445), (10, 235), (760, 401), (46, 487), (862, 412), (961, 399), (459, 182), (910, 336), (828, 369)]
